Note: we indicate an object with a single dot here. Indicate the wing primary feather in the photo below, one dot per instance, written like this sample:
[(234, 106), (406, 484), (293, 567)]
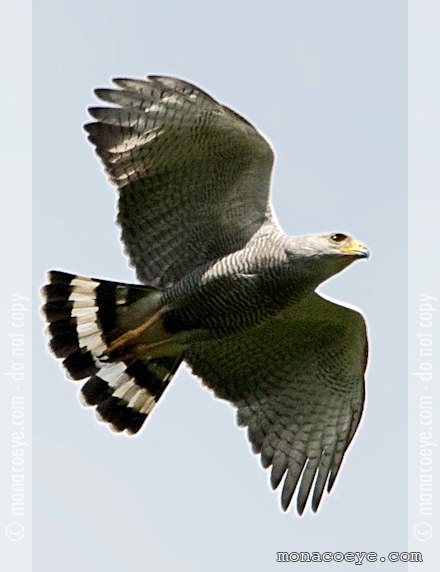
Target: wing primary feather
[(122, 97), (290, 482), (267, 453), (321, 479), (307, 479), (279, 467), (340, 449), (138, 85)]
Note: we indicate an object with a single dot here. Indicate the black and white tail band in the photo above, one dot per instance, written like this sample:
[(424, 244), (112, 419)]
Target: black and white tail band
[(84, 316)]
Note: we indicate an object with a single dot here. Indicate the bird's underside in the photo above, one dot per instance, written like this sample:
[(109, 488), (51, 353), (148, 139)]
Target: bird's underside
[(222, 288)]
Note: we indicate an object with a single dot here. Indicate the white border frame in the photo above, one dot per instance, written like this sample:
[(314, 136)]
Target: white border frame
[(423, 277)]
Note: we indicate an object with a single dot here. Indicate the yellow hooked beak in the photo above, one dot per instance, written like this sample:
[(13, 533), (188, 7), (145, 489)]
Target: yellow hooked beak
[(356, 249)]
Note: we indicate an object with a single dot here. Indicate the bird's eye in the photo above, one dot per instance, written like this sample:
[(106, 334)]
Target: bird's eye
[(338, 237)]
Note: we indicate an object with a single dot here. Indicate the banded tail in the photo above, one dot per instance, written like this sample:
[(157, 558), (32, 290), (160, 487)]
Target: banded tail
[(90, 322)]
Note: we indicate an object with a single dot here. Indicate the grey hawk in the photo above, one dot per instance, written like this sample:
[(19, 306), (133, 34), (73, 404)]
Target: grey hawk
[(223, 288)]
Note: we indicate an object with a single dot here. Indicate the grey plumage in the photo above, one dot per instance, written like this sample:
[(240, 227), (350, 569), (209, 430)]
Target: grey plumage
[(226, 291), (297, 381), (193, 176)]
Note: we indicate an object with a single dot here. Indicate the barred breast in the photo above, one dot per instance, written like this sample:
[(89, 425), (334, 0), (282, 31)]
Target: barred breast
[(237, 292)]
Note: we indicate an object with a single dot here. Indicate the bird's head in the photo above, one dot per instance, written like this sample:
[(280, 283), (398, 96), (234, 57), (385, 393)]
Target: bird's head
[(324, 255)]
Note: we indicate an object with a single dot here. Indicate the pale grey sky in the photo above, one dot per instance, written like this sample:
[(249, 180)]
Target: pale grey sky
[(326, 83)]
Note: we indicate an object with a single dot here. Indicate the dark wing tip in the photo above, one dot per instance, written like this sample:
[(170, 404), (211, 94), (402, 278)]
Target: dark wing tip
[(89, 127), (316, 501), (103, 92), (123, 81), (301, 500), (279, 467), (332, 479), (95, 112), (300, 506), (158, 77)]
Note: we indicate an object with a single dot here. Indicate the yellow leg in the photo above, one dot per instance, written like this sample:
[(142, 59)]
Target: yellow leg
[(128, 338), (156, 349)]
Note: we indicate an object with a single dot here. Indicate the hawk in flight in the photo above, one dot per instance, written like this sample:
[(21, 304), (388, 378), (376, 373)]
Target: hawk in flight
[(223, 288)]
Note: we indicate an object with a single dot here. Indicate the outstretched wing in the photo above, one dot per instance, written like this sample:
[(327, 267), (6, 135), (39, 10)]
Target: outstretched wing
[(194, 176), (298, 384)]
